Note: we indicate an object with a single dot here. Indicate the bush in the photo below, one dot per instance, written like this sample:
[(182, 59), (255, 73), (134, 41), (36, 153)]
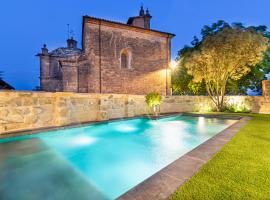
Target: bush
[(237, 107), (153, 100)]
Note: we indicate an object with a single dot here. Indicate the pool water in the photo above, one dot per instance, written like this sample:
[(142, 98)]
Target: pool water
[(99, 161)]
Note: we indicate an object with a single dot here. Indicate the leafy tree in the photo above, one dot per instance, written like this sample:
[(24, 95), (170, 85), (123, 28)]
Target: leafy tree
[(225, 52), (253, 80), (182, 82)]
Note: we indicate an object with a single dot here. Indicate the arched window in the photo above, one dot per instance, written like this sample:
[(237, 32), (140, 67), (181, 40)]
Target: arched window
[(125, 59)]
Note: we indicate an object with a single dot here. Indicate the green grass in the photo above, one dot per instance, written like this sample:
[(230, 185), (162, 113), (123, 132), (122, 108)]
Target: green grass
[(241, 170)]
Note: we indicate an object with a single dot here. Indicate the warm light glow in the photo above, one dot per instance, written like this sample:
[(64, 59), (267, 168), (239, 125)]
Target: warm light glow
[(166, 141), (235, 104), (201, 124), (173, 64), (202, 107)]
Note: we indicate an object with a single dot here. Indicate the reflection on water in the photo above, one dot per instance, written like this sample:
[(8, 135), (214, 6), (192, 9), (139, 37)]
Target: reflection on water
[(111, 157)]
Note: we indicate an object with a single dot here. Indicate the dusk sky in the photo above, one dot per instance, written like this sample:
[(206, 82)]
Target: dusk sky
[(26, 25)]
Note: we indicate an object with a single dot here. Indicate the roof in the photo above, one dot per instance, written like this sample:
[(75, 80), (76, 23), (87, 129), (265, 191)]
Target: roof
[(131, 19), (5, 86), (65, 52), (129, 26)]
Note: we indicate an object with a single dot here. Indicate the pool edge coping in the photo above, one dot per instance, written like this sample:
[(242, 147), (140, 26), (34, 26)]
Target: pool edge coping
[(23, 132), (165, 182), (32, 131)]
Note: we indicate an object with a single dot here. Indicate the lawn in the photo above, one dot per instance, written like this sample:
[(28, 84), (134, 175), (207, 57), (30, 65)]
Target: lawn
[(241, 170)]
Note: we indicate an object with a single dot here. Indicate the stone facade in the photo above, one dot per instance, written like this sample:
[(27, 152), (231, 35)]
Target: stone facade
[(115, 58), (266, 88), (33, 110)]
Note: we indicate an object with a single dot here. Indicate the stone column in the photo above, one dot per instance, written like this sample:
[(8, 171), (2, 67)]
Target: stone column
[(266, 88), (44, 68), (70, 76)]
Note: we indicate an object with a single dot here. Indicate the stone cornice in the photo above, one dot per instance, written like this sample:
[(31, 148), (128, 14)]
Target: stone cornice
[(104, 22)]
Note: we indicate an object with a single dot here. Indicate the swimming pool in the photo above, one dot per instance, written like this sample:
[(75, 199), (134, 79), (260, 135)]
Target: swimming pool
[(98, 161)]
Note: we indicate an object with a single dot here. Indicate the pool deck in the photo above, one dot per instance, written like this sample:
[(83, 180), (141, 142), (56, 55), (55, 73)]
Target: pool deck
[(165, 182)]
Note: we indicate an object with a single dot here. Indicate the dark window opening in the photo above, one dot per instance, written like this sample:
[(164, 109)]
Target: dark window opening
[(124, 61)]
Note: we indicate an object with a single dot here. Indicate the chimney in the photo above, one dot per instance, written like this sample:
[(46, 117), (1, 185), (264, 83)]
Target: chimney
[(142, 21), (147, 19), (44, 50), (141, 12), (71, 43)]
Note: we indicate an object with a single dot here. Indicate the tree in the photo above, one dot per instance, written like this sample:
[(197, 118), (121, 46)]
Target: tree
[(225, 53), (253, 80), (182, 82)]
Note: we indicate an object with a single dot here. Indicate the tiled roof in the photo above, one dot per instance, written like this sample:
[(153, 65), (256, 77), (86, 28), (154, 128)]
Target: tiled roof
[(65, 52)]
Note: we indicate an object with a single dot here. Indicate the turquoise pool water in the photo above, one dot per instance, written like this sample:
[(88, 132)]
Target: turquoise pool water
[(100, 161)]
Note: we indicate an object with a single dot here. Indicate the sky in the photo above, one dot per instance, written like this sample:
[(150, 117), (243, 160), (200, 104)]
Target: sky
[(25, 25)]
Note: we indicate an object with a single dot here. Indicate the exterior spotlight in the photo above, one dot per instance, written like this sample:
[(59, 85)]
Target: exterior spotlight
[(173, 65)]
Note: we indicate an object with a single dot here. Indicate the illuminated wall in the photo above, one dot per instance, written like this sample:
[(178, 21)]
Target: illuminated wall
[(33, 110), (266, 88)]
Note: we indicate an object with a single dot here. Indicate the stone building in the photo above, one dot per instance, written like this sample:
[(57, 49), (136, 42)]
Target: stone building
[(5, 86), (115, 58), (266, 88)]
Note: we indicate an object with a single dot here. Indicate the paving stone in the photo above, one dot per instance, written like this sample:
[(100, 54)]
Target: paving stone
[(183, 168), (159, 186)]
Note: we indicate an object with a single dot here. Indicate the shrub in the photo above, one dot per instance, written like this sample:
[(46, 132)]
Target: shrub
[(237, 107), (153, 100)]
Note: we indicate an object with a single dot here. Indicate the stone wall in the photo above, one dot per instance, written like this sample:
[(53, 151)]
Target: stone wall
[(149, 56), (266, 88), (33, 110), (97, 68)]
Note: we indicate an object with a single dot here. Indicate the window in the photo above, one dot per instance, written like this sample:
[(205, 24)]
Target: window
[(125, 58), (124, 61)]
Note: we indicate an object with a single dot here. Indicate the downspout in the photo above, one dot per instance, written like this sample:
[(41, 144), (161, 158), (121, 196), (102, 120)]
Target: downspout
[(82, 43), (169, 91), (100, 80), (167, 65), (78, 76)]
